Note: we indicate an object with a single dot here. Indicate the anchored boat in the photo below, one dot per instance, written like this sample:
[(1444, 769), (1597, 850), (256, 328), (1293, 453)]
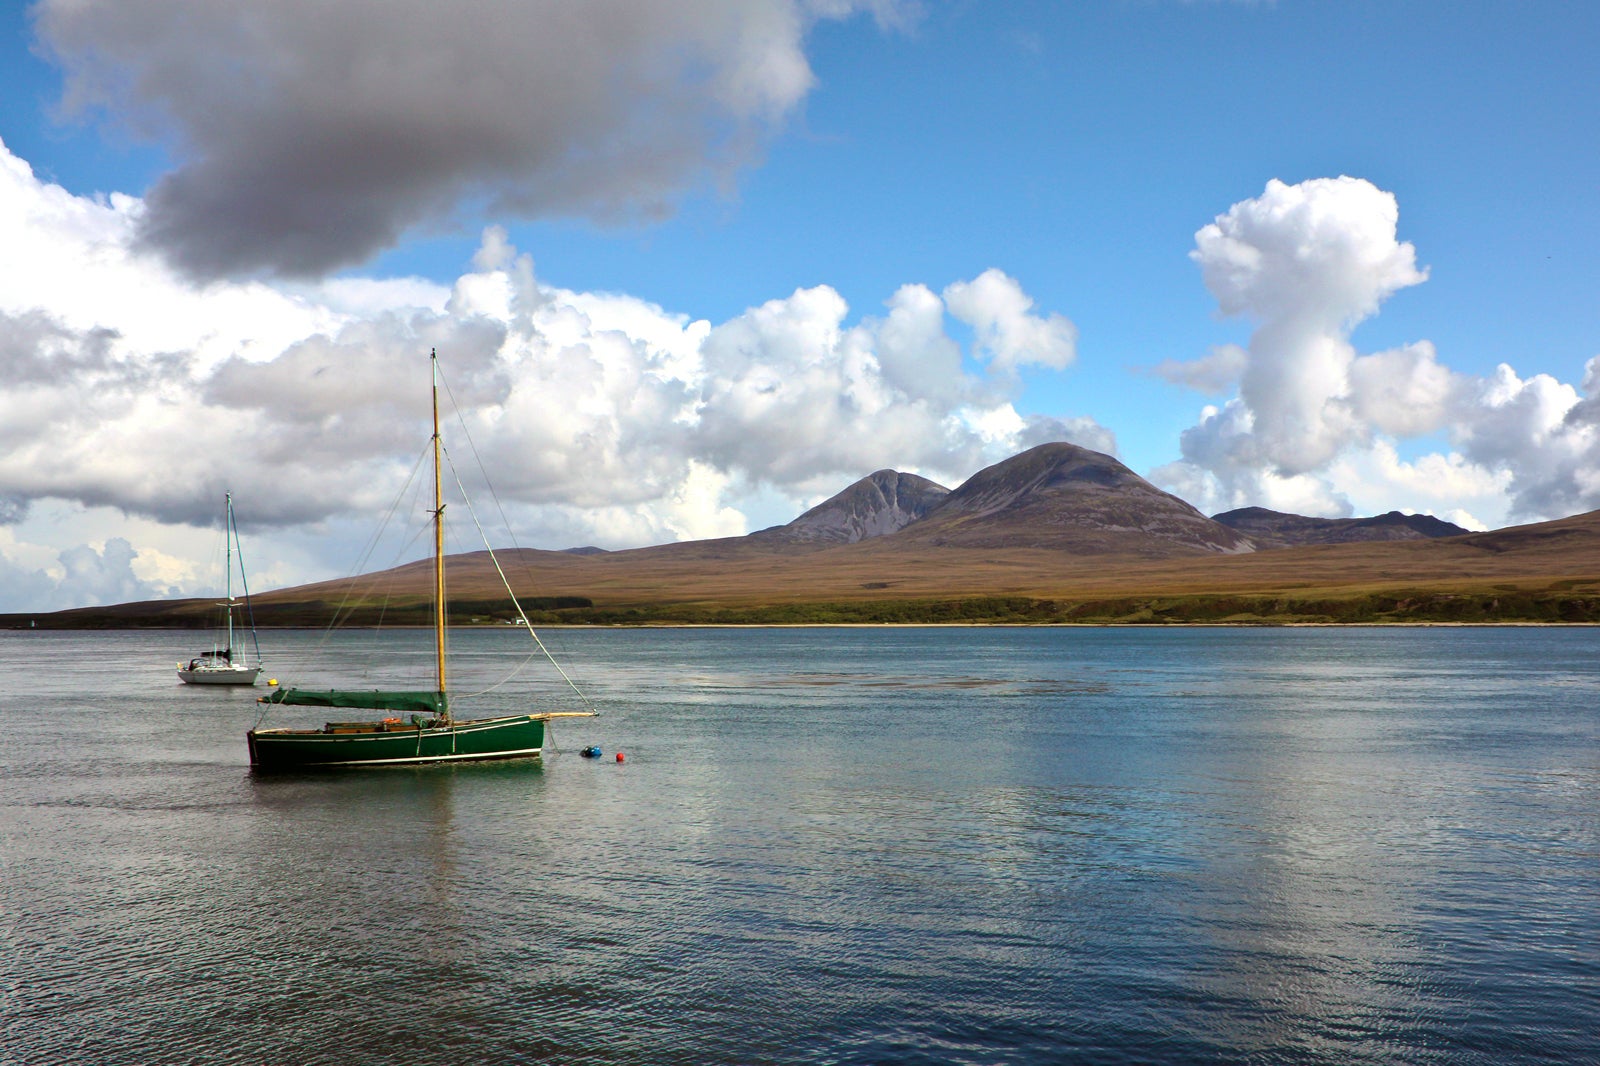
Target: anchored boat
[(409, 726), (223, 665)]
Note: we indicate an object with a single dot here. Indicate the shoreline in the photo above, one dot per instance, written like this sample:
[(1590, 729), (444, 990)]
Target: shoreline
[(1509, 623)]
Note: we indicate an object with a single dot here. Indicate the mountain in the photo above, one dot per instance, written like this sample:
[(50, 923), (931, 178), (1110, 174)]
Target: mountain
[(1063, 497), (880, 503), (1058, 534), (1274, 529)]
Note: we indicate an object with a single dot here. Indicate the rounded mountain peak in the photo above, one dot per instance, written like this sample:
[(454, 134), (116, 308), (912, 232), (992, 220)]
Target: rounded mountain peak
[(1064, 496)]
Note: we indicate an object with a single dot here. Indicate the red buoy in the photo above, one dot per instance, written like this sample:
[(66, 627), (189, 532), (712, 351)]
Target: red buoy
[(619, 756)]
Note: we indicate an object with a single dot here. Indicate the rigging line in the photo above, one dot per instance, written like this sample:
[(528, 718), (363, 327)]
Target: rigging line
[(498, 684), (521, 614), (409, 494), (244, 579), (505, 523), (349, 587), (483, 471), (343, 609)]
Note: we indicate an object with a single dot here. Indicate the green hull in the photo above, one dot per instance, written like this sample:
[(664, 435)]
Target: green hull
[(377, 744)]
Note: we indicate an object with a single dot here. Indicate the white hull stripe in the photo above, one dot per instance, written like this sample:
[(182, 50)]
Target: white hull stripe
[(522, 753)]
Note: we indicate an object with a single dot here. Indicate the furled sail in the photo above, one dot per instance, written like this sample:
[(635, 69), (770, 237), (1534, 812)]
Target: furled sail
[(372, 699)]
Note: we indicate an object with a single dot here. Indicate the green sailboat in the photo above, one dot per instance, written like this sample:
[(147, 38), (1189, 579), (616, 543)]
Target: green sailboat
[(414, 726)]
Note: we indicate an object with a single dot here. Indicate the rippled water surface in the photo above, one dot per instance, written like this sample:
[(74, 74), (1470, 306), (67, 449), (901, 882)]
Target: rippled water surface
[(825, 846)]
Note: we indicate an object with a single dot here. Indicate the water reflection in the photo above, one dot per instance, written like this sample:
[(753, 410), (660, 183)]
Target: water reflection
[(842, 847)]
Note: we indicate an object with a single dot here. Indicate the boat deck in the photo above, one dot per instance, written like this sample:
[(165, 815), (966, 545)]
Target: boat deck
[(416, 724)]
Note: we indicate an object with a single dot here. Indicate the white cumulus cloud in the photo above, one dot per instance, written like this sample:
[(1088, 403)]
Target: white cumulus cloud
[(1009, 334), (601, 418), (1313, 424)]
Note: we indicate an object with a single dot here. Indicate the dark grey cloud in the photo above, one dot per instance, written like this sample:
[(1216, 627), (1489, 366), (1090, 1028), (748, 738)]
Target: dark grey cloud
[(311, 134), (36, 349)]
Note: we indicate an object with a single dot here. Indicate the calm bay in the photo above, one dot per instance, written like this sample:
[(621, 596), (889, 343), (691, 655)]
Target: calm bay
[(837, 846)]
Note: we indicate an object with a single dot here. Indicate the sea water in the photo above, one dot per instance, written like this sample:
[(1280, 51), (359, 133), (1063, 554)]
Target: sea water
[(845, 846)]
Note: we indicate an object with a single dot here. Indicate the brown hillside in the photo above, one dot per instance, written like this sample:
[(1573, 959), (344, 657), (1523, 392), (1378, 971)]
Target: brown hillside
[(897, 568), (1070, 499), (1274, 529), (1066, 533)]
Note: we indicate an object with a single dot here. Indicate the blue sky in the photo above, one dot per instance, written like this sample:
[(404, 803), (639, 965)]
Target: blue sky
[(710, 249)]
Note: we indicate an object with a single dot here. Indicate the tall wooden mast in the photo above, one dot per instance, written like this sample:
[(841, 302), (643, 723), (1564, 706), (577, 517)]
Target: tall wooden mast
[(439, 607)]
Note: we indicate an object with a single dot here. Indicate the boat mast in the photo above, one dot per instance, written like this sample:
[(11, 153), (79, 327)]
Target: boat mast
[(438, 539), (227, 547)]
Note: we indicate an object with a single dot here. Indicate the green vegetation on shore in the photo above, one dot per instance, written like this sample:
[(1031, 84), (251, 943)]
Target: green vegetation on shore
[(1479, 607), (1559, 602)]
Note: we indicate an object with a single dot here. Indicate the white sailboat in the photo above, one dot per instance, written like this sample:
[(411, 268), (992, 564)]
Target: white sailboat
[(222, 665)]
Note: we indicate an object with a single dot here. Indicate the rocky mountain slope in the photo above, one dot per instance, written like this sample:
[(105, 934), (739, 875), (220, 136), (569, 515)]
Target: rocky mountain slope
[(879, 504)]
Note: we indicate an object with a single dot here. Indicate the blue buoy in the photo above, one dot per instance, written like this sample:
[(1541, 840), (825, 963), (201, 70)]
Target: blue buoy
[(591, 752)]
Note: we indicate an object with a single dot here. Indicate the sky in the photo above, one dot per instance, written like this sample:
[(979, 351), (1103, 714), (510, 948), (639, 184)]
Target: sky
[(693, 266)]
